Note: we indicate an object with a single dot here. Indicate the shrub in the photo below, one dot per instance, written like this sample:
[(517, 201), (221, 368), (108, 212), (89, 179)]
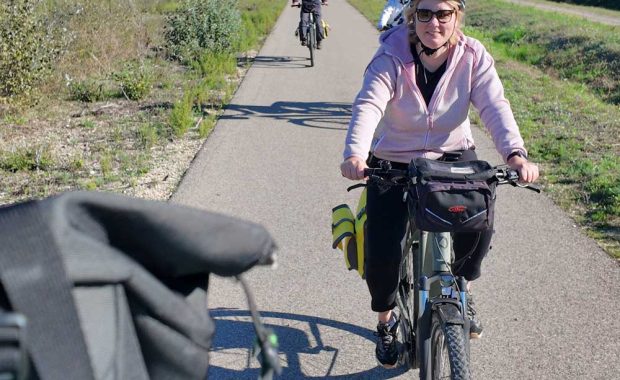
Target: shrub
[(149, 134), (182, 115), (202, 25), (86, 91), (135, 81), (29, 45)]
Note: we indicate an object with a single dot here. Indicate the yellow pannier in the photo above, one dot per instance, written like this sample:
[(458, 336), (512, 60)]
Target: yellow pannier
[(348, 233)]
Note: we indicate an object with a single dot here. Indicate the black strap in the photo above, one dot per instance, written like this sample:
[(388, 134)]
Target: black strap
[(33, 276)]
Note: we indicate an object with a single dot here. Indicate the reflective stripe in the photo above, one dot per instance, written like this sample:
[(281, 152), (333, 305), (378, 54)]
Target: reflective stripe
[(475, 216), (437, 216)]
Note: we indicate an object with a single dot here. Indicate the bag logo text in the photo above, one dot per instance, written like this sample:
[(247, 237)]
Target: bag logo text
[(457, 209)]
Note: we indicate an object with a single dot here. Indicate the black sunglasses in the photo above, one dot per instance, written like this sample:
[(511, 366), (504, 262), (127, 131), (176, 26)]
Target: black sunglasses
[(443, 15)]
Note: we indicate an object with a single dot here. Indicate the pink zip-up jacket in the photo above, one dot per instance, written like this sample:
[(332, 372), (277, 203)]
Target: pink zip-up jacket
[(408, 128)]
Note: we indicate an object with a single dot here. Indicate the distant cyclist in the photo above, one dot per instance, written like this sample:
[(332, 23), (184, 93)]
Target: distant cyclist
[(392, 14), (419, 85), (307, 7)]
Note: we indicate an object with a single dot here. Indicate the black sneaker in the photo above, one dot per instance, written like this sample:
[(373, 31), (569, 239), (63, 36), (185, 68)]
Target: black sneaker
[(304, 43), (318, 45), (387, 348), (475, 326)]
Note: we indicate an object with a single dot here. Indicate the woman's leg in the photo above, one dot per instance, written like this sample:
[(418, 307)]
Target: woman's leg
[(470, 247), (385, 228), (469, 250)]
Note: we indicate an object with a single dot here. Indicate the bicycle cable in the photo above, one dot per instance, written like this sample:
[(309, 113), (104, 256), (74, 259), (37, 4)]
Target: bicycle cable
[(266, 344)]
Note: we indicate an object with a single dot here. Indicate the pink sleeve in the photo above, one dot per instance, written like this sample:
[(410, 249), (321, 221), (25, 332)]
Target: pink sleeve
[(369, 105), (487, 95)]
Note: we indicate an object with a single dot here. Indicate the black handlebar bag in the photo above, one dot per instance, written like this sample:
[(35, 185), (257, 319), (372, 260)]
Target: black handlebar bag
[(452, 196), (103, 286)]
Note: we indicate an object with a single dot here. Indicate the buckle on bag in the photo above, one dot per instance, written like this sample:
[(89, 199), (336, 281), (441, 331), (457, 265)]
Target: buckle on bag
[(12, 341)]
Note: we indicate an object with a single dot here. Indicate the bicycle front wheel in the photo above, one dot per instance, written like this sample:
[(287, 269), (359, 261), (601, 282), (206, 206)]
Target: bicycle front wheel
[(406, 301), (449, 356)]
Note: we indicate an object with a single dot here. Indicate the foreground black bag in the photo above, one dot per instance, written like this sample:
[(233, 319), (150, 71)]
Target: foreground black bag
[(112, 287), (453, 196)]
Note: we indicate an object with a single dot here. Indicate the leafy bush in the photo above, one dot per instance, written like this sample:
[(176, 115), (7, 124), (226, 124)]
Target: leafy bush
[(202, 25), (135, 81), (29, 44), (87, 91)]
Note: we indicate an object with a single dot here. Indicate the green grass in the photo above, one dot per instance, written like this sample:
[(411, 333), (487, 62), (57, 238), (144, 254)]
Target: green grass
[(369, 8), (569, 125), (26, 159), (566, 46), (586, 6), (258, 17)]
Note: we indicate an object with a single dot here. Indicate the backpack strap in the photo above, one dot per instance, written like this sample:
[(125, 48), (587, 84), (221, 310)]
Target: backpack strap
[(33, 276)]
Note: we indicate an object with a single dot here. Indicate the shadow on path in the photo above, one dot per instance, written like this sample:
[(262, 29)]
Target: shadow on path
[(273, 62), (305, 114), (235, 334)]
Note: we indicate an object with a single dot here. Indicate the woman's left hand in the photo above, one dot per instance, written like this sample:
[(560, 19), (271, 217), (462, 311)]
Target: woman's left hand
[(528, 171)]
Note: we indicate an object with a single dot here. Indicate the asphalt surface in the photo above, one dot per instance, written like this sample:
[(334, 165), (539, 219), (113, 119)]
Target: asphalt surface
[(548, 296)]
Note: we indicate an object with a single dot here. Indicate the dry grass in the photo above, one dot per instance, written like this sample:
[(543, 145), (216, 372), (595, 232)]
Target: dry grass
[(114, 144)]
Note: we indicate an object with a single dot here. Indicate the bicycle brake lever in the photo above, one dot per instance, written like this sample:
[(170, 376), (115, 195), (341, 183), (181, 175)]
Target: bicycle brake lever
[(529, 187), (356, 186)]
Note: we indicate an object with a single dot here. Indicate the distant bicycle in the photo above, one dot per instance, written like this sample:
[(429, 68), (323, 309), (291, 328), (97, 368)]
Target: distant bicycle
[(311, 33), (434, 327)]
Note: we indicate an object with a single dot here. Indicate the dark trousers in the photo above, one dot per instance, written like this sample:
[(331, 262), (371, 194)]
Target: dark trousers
[(315, 9), (386, 227)]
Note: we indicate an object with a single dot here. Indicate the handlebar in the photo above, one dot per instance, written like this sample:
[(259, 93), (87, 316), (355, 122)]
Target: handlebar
[(386, 176), (298, 4)]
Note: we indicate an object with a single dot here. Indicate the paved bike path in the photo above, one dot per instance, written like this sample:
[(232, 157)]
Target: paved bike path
[(548, 296)]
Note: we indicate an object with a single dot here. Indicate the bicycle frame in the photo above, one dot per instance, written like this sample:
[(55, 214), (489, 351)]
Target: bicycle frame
[(432, 287), (311, 31)]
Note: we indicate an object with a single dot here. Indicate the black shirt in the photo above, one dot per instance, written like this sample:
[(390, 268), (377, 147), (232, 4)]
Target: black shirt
[(426, 80)]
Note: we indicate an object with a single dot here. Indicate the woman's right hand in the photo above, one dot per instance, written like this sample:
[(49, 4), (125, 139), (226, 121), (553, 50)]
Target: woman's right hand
[(353, 168)]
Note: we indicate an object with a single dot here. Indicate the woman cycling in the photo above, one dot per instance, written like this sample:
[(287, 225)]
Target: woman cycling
[(418, 87)]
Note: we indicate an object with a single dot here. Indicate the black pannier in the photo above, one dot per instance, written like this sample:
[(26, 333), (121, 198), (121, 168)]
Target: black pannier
[(452, 196), (104, 286)]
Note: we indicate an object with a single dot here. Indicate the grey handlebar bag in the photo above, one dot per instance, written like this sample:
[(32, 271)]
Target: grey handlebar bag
[(114, 287)]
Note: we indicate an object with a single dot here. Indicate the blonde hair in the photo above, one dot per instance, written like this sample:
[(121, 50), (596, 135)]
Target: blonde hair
[(410, 18)]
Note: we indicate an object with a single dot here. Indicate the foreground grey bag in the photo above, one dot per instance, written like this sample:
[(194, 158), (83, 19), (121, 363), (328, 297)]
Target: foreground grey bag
[(113, 287)]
